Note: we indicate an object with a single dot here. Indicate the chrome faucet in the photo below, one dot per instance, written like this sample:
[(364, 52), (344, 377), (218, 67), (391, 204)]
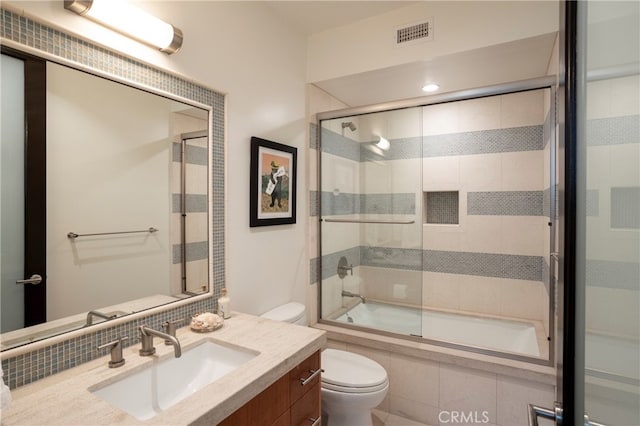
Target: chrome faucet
[(117, 360), (349, 294), (98, 314), (169, 327), (146, 338)]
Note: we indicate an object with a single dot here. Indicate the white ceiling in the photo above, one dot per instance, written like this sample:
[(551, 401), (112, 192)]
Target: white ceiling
[(311, 16), (520, 60)]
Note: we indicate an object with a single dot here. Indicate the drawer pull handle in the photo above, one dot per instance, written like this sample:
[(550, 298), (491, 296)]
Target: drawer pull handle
[(315, 422), (311, 377)]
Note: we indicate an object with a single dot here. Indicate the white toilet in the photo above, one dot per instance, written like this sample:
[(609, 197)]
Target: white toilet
[(352, 385)]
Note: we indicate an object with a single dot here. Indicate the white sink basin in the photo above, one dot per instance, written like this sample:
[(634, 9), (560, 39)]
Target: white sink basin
[(155, 388)]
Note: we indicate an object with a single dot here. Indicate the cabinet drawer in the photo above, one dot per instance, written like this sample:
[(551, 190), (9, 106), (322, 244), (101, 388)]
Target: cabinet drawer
[(298, 377), (307, 409)]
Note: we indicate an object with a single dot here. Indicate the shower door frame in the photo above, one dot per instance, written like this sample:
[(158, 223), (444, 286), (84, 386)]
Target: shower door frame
[(547, 82)]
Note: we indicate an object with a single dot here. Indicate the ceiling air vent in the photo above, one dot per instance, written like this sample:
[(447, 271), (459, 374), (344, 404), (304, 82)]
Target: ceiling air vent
[(421, 31)]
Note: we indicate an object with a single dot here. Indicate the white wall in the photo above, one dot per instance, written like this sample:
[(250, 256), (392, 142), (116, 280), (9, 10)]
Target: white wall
[(458, 26), (241, 49)]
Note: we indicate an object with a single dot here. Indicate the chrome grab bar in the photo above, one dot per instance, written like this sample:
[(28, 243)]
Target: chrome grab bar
[(73, 235), (388, 222)]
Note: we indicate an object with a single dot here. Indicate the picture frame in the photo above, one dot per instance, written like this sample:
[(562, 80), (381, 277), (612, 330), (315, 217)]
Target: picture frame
[(273, 183)]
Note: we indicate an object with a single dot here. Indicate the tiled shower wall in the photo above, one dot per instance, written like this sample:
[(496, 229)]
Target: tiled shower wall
[(30, 366), (492, 153)]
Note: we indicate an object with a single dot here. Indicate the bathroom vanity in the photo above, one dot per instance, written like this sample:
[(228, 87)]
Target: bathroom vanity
[(268, 383), (292, 400)]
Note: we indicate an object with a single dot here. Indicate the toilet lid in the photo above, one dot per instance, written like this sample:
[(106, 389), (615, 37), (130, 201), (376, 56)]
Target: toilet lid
[(289, 312), (349, 372)]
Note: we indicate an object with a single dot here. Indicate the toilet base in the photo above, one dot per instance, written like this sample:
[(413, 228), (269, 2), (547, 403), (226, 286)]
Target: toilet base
[(350, 409)]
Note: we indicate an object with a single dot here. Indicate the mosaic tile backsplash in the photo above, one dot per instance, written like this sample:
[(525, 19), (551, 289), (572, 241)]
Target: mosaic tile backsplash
[(29, 367)]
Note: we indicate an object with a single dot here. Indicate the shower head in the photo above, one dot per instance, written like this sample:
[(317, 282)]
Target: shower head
[(350, 125)]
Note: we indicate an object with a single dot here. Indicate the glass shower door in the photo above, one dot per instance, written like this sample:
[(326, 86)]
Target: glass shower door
[(371, 220)]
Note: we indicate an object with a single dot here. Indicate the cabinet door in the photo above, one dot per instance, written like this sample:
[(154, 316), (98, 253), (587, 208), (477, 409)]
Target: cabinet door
[(306, 411), (298, 384), (265, 409)]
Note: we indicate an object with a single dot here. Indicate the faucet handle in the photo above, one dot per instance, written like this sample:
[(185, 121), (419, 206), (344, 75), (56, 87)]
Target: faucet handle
[(169, 327), (117, 360)]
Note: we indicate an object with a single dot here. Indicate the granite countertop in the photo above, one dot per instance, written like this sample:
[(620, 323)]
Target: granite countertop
[(64, 398)]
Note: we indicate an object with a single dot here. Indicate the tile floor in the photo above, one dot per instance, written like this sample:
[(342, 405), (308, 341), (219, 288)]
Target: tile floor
[(382, 418)]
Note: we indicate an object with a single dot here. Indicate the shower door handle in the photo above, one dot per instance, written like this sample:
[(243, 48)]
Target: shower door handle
[(554, 415), (35, 280)]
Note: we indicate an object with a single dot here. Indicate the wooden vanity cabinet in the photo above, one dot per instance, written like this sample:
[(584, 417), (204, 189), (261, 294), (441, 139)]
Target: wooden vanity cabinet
[(293, 400)]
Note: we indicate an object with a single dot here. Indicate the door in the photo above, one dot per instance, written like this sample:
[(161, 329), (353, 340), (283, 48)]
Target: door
[(23, 188), (598, 357)]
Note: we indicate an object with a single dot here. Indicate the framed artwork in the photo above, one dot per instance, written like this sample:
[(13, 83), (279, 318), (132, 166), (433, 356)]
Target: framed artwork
[(273, 183)]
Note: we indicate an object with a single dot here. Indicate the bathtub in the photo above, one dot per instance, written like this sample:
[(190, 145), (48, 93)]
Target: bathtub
[(496, 334)]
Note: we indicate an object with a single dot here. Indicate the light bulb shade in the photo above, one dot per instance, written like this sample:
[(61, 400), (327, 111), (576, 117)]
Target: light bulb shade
[(128, 19), (383, 143)]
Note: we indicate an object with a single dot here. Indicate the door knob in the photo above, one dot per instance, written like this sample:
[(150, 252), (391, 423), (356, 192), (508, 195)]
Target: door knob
[(35, 279)]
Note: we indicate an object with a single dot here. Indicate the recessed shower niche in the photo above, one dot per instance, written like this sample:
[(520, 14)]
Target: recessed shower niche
[(441, 207)]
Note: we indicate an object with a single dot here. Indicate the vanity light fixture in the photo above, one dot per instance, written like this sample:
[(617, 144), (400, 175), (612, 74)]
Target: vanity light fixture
[(127, 19), (431, 87)]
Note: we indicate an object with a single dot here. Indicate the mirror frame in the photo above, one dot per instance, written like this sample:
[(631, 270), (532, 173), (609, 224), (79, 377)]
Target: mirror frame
[(32, 36)]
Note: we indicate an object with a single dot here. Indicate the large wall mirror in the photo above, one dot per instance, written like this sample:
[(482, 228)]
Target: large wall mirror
[(105, 195)]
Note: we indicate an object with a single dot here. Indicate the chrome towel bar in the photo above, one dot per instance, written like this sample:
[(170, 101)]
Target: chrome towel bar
[(390, 222), (73, 235)]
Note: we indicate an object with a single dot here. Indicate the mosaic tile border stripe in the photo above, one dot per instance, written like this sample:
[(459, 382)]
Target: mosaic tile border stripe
[(514, 139), (400, 149), (346, 203), (613, 130), (494, 265), (484, 264), (625, 207), (195, 154), (196, 203), (612, 274), (313, 136), (24, 369), (194, 251), (505, 203), (338, 145)]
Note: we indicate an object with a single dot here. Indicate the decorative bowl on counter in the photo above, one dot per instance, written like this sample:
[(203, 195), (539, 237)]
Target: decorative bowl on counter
[(206, 322)]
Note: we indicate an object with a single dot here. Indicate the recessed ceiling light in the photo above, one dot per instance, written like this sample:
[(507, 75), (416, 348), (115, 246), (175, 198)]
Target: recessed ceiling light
[(430, 87)]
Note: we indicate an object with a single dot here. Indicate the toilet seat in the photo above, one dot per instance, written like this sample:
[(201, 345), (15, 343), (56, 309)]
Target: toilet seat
[(351, 373), (289, 312)]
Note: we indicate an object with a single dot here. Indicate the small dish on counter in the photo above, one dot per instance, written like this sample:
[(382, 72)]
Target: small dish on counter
[(206, 322)]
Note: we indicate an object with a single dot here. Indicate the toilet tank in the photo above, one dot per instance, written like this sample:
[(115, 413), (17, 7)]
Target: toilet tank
[(292, 312)]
